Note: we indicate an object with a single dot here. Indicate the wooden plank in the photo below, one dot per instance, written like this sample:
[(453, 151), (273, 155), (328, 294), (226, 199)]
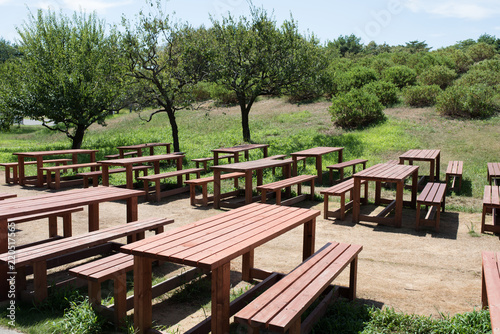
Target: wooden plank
[(491, 279)]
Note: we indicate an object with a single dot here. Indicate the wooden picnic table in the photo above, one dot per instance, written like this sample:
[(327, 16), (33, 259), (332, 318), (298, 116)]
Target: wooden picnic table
[(38, 155), (139, 147), (431, 156), (247, 167), (38, 255), (91, 197), (211, 244), (235, 150), (490, 287), (493, 172), (316, 152), (385, 173), (128, 163)]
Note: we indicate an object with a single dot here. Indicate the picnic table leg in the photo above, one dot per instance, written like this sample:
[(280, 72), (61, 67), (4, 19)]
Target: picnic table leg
[(105, 175), (216, 158), (93, 217), (221, 284), (217, 187), (399, 203), (438, 166), (3, 266), (129, 177), (309, 238), (431, 172), (353, 278), (340, 155), (414, 188), (355, 200), (264, 151), (247, 265), (248, 187), (247, 155), (20, 166), (39, 171), (319, 168), (294, 165), (179, 167), (143, 307), (74, 159)]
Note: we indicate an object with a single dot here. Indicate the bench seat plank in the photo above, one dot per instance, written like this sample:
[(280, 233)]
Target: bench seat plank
[(341, 165), (340, 190), (491, 288), (15, 168), (491, 204), (286, 183), (204, 181), (95, 174), (156, 178), (433, 195), (455, 171)]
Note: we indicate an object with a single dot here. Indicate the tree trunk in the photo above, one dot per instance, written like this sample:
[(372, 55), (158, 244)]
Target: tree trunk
[(245, 126), (175, 130), (78, 137)]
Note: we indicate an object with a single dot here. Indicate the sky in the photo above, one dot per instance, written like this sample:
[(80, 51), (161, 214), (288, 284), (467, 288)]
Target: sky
[(439, 23)]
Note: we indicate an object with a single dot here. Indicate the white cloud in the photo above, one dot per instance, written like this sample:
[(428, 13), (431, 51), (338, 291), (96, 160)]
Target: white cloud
[(478, 10), (85, 5)]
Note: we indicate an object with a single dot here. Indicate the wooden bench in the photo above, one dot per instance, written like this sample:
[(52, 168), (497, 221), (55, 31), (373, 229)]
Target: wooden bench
[(65, 214), (490, 288), (454, 171), (6, 196), (340, 168), (57, 172), (340, 190), (491, 204), (279, 309), (433, 196), (15, 168), (117, 156), (204, 181), (156, 178), (279, 185), (204, 161), (94, 175), (66, 250)]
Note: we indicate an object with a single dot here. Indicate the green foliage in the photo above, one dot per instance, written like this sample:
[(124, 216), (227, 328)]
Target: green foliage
[(476, 101), (486, 72), (437, 75), (356, 77), (356, 108), (201, 91), (222, 95), (401, 76), (421, 96), (7, 50), (80, 318), (70, 73), (461, 60), (386, 92), (345, 45), (481, 51)]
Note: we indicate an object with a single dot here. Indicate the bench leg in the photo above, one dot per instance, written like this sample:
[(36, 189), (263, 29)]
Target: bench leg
[(278, 197), (67, 228), (312, 190), (204, 194), (342, 206), (247, 265), (353, 278), (263, 196), (158, 190), (95, 181), (417, 227), (94, 293), (325, 206), (146, 189), (295, 327), (438, 214), (192, 194), (120, 297)]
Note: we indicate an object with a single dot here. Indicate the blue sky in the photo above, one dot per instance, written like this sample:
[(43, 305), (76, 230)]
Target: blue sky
[(438, 22)]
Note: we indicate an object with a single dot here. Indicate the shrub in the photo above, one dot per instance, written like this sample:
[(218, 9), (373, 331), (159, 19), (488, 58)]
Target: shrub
[(486, 72), (421, 96), (222, 95), (476, 101), (461, 60), (437, 75), (386, 92), (481, 51), (356, 77), (356, 108), (400, 75), (201, 91)]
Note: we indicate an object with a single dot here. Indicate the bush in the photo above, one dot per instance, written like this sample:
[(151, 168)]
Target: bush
[(481, 51), (356, 77), (486, 72), (476, 101), (421, 96), (386, 92), (400, 75), (222, 95), (356, 108), (437, 75), (201, 91)]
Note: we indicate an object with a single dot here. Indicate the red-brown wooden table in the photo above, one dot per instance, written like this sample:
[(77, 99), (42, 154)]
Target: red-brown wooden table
[(493, 172), (316, 152), (431, 156), (128, 163), (211, 244), (385, 173), (247, 167), (235, 150), (139, 147), (38, 155)]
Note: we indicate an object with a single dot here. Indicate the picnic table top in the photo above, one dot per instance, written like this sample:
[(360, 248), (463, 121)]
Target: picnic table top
[(22, 206), (136, 160), (386, 172), (56, 152), (240, 148), (145, 145), (493, 168), (420, 154), (315, 151), (252, 165), (214, 241)]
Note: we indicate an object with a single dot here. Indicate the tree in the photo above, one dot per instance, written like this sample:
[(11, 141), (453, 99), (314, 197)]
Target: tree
[(7, 50), (69, 73), (416, 46), (167, 60), (254, 57), (346, 45)]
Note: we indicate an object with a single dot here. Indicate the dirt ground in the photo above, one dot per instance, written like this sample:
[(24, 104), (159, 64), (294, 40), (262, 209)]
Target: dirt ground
[(420, 272)]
